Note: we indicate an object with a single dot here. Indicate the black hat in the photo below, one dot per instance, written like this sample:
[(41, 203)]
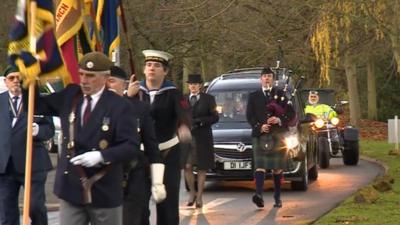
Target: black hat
[(9, 69), (116, 71), (96, 63), (267, 70), (194, 79)]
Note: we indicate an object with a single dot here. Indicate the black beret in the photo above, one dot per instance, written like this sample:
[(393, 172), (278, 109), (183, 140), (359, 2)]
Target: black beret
[(10, 69), (116, 71)]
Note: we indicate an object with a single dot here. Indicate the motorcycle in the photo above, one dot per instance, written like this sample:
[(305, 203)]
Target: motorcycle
[(334, 141)]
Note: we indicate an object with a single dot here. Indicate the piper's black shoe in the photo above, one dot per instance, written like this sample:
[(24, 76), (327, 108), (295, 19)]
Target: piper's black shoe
[(258, 200), (278, 204)]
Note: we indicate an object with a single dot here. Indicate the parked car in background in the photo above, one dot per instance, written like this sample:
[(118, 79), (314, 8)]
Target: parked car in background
[(232, 134)]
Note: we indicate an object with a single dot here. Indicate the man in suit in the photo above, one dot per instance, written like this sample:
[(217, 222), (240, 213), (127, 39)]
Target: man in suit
[(204, 114), (99, 136), (267, 117), (138, 185), (13, 133)]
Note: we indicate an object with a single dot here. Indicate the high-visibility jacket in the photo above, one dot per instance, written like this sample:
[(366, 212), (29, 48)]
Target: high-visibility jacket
[(321, 110)]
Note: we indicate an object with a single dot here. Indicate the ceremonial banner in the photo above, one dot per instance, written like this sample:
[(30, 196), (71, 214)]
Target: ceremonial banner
[(36, 52)]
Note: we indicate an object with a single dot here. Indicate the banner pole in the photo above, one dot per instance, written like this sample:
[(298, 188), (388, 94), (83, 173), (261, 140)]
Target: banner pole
[(31, 100)]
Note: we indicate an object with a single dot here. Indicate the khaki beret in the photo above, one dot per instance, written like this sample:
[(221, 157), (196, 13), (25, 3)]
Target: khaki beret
[(95, 62)]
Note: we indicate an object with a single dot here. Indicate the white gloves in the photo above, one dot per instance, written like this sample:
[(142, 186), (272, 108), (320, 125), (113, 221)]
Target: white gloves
[(184, 134), (35, 129), (158, 191), (88, 159)]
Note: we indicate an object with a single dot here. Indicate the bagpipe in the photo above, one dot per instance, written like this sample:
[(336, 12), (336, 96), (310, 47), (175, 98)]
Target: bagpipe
[(281, 93)]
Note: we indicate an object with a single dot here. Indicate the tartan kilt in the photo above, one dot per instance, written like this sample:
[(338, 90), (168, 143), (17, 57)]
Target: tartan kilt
[(276, 160)]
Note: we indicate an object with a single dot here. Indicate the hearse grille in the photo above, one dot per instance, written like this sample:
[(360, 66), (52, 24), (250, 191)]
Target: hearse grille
[(233, 151)]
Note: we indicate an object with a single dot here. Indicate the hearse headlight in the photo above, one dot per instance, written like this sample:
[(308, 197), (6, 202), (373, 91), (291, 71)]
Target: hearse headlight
[(291, 142), (219, 109)]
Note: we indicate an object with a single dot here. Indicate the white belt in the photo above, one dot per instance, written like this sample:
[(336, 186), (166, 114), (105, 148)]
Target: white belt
[(166, 144)]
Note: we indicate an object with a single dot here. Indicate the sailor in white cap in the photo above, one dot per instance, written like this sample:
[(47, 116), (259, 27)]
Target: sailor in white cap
[(169, 110)]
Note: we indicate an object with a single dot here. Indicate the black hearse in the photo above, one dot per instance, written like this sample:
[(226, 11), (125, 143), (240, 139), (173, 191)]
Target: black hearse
[(232, 134)]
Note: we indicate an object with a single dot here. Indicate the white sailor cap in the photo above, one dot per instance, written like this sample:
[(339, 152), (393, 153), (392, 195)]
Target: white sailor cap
[(156, 55)]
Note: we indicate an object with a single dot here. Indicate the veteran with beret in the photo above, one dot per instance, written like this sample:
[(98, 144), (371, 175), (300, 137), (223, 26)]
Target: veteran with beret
[(169, 110), (99, 135), (13, 131)]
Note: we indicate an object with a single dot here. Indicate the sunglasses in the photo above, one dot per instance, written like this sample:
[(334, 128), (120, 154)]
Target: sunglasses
[(12, 77)]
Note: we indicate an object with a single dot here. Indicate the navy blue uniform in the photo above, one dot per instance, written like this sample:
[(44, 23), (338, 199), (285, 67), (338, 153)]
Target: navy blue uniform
[(12, 164), (117, 143), (137, 190), (169, 110)]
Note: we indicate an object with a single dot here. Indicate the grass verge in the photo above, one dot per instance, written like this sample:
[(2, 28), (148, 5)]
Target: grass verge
[(385, 208)]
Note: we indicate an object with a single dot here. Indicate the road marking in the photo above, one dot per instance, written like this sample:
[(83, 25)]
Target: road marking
[(207, 208)]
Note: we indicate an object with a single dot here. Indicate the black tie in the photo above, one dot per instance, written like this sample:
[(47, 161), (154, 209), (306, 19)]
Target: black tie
[(15, 103), (88, 109), (193, 100)]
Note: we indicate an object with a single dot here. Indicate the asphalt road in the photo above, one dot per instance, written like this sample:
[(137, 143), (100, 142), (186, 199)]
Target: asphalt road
[(230, 202)]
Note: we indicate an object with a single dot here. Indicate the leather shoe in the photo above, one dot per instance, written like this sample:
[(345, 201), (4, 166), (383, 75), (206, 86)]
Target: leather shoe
[(278, 204), (191, 203), (258, 200), (199, 205)]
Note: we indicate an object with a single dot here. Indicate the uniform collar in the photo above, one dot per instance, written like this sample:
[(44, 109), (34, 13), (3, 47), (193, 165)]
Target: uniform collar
[(166, 85)]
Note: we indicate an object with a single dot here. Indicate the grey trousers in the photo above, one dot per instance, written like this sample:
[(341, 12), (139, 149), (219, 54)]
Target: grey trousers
[(83, 215)]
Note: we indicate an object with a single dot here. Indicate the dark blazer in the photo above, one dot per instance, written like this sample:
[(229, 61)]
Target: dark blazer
[(169, 110), (13, 140), (204, 114), (257, 112), (145, 128), (118, 143)]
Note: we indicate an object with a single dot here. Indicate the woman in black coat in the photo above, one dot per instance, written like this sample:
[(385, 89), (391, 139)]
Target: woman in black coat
[(201, 154)]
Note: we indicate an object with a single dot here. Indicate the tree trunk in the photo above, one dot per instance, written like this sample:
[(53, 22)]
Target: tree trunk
[(396, 50), (219, 66), (371, 87), (204, 67), (351, 76)]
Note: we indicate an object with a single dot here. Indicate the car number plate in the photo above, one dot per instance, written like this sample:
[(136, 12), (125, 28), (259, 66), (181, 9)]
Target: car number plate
[(237, 165)]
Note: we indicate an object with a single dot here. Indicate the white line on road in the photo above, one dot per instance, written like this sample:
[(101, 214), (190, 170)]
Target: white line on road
[(207, 208)]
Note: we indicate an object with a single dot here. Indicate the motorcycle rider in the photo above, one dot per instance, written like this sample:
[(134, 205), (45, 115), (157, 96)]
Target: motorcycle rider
[(318, 109)]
